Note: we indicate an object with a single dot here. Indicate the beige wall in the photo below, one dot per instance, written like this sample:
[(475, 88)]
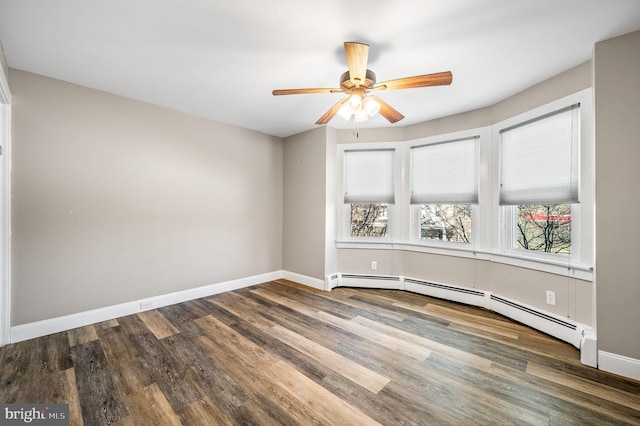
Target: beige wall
[(575, 298), (305, 204), (617, 112), (310, 182), (116, 200), (331, 196)]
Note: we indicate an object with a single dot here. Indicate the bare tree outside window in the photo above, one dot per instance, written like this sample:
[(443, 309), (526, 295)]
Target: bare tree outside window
[(544, 227), (369, 220), (446, 222)]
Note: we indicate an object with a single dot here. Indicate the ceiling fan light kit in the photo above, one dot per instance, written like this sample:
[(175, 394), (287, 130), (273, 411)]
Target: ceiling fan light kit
[(361, 108), (371, 106), (359, 80)]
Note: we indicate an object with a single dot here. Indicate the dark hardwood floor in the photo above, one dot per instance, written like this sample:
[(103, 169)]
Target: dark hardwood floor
[(283, 354)]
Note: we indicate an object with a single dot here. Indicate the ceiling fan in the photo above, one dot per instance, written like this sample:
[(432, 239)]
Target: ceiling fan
[(358, 81)]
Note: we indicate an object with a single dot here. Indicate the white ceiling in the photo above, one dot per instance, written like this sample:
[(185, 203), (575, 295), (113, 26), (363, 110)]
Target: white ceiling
[(221, 59)]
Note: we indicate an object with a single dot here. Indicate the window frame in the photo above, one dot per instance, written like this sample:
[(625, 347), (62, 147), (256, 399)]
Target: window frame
[(344, 210), (510, 244), (482, 135), (581, 213), (417, 232)]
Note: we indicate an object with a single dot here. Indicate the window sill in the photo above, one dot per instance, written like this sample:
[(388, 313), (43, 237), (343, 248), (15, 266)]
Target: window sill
[(578, 271)]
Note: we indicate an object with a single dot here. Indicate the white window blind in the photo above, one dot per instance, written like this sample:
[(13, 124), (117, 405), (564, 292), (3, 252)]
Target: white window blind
[(445, 172), (368, 176), (539, 159)]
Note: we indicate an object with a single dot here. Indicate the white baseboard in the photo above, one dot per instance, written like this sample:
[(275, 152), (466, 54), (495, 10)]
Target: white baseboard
[(304, 279), (54, 325), (618, 364)]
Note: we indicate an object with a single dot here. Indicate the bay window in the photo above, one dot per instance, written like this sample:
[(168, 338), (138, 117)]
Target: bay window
[(519, 191)]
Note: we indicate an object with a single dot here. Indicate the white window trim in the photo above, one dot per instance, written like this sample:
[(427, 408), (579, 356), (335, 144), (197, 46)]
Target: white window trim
[(344, 211), (582, 215), (483, 134)]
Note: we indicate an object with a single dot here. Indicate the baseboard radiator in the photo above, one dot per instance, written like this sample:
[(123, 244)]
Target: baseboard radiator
[(370, 281), (465, 295), (579, 335), (550, 324), (331, 281)]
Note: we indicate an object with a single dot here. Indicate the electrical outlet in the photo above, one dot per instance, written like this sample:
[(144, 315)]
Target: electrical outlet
[(551, 297), (146, 304), (374, 265)]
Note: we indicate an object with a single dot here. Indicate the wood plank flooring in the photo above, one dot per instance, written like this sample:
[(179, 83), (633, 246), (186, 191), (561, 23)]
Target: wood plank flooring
[(284, 354)]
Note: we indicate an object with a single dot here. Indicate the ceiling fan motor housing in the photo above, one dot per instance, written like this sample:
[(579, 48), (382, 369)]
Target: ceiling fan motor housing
[(346, 84)]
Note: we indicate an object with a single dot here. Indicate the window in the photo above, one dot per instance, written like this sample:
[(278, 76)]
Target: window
[(544, 227), (445, 222), (369, 190), (539, 181), (368, 220), (444, 187)]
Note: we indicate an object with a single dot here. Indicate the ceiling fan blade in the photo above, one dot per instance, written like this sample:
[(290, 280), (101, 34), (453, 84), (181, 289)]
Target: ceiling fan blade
[(436, 79), (387, 111), (304, 91), (357, 57), (332, 112)]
